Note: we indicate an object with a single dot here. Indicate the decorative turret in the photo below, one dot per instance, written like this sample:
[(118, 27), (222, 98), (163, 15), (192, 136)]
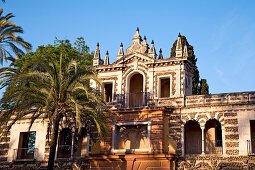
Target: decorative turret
[(97, 58), (160, 56), (106, 60), (145, 45), (121, 52), (137, 37), (152, 51), (137, 46), (179, 51), (185, 51)]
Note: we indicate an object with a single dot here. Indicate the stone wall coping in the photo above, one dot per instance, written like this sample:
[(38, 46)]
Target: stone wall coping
[(208, 100)]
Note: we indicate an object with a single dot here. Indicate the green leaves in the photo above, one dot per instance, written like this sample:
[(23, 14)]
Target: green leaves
[(9, 40)]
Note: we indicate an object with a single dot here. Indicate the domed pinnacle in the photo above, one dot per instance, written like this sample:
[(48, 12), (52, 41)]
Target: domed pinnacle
[(152, 51), (137, 29), (106, 60), (179, 35), (160, 56), (96, 58), (121, 52)]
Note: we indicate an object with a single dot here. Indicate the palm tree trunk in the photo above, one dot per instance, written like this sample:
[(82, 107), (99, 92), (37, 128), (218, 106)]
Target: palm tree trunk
[(53, 143)]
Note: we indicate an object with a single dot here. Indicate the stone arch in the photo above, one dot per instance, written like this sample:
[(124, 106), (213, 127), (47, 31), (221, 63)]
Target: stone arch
[(192, 137), (213, 137), (186, 118), (202, 121), (206, 116), (128, 73), (135, 89)]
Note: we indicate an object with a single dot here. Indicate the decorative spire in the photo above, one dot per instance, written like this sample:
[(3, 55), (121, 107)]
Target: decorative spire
[(178, 50), (144, 40), (145, 45), (160, 56), (106, 60), (152, 51), (137, 37), (185, 51), (97, 58), (121, 52)]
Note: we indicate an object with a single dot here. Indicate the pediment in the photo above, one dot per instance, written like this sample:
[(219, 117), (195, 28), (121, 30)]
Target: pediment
[(135, 56)]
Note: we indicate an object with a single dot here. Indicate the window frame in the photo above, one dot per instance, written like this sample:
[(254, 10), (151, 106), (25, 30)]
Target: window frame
[(18, 155), (113, 150), (113, 85), (159, 86)]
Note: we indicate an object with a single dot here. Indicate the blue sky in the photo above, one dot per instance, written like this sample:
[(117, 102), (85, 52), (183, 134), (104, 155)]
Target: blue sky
[(222, 32)]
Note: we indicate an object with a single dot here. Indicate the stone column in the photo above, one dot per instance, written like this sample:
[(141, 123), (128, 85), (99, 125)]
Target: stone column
[(223, 139), (203, 139), (72, 146)]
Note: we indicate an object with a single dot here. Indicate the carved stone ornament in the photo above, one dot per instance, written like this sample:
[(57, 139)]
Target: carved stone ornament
[(136, 47)]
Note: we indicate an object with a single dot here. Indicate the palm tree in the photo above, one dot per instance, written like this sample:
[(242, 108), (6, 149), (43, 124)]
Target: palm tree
[(9, 41), (54, 90), (8, 73)]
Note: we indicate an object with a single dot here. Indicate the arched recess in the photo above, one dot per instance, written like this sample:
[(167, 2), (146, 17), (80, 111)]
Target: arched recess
[(193, 137), (135, 89), (213, 137)]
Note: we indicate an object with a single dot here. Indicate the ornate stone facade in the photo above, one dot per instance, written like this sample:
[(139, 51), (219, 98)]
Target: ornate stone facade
[(158, 124)]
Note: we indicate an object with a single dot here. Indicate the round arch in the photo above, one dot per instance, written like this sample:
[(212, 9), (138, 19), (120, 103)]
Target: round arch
[(192, 137), (213, 137), (135, 88)]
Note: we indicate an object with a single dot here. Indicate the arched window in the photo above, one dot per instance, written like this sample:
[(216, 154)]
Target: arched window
[(213, 137), (136, 90), (193, 138)]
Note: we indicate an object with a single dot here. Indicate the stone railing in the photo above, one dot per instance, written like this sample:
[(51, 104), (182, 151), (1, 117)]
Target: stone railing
[(120, 101), (221, 99)]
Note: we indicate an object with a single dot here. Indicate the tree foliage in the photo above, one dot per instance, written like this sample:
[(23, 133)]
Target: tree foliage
[(204, 89), (10, 42), (53, 83), (196, 83)]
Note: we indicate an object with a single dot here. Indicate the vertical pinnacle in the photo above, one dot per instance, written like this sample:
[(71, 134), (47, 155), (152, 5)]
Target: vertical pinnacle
[(160, 56)]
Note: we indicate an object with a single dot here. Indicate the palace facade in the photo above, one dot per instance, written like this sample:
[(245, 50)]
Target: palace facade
[(158, 123)]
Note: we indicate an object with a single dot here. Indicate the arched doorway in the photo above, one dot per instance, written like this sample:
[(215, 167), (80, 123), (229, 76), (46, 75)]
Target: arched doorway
[(193, 138), (213, 137), (136, 90)]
